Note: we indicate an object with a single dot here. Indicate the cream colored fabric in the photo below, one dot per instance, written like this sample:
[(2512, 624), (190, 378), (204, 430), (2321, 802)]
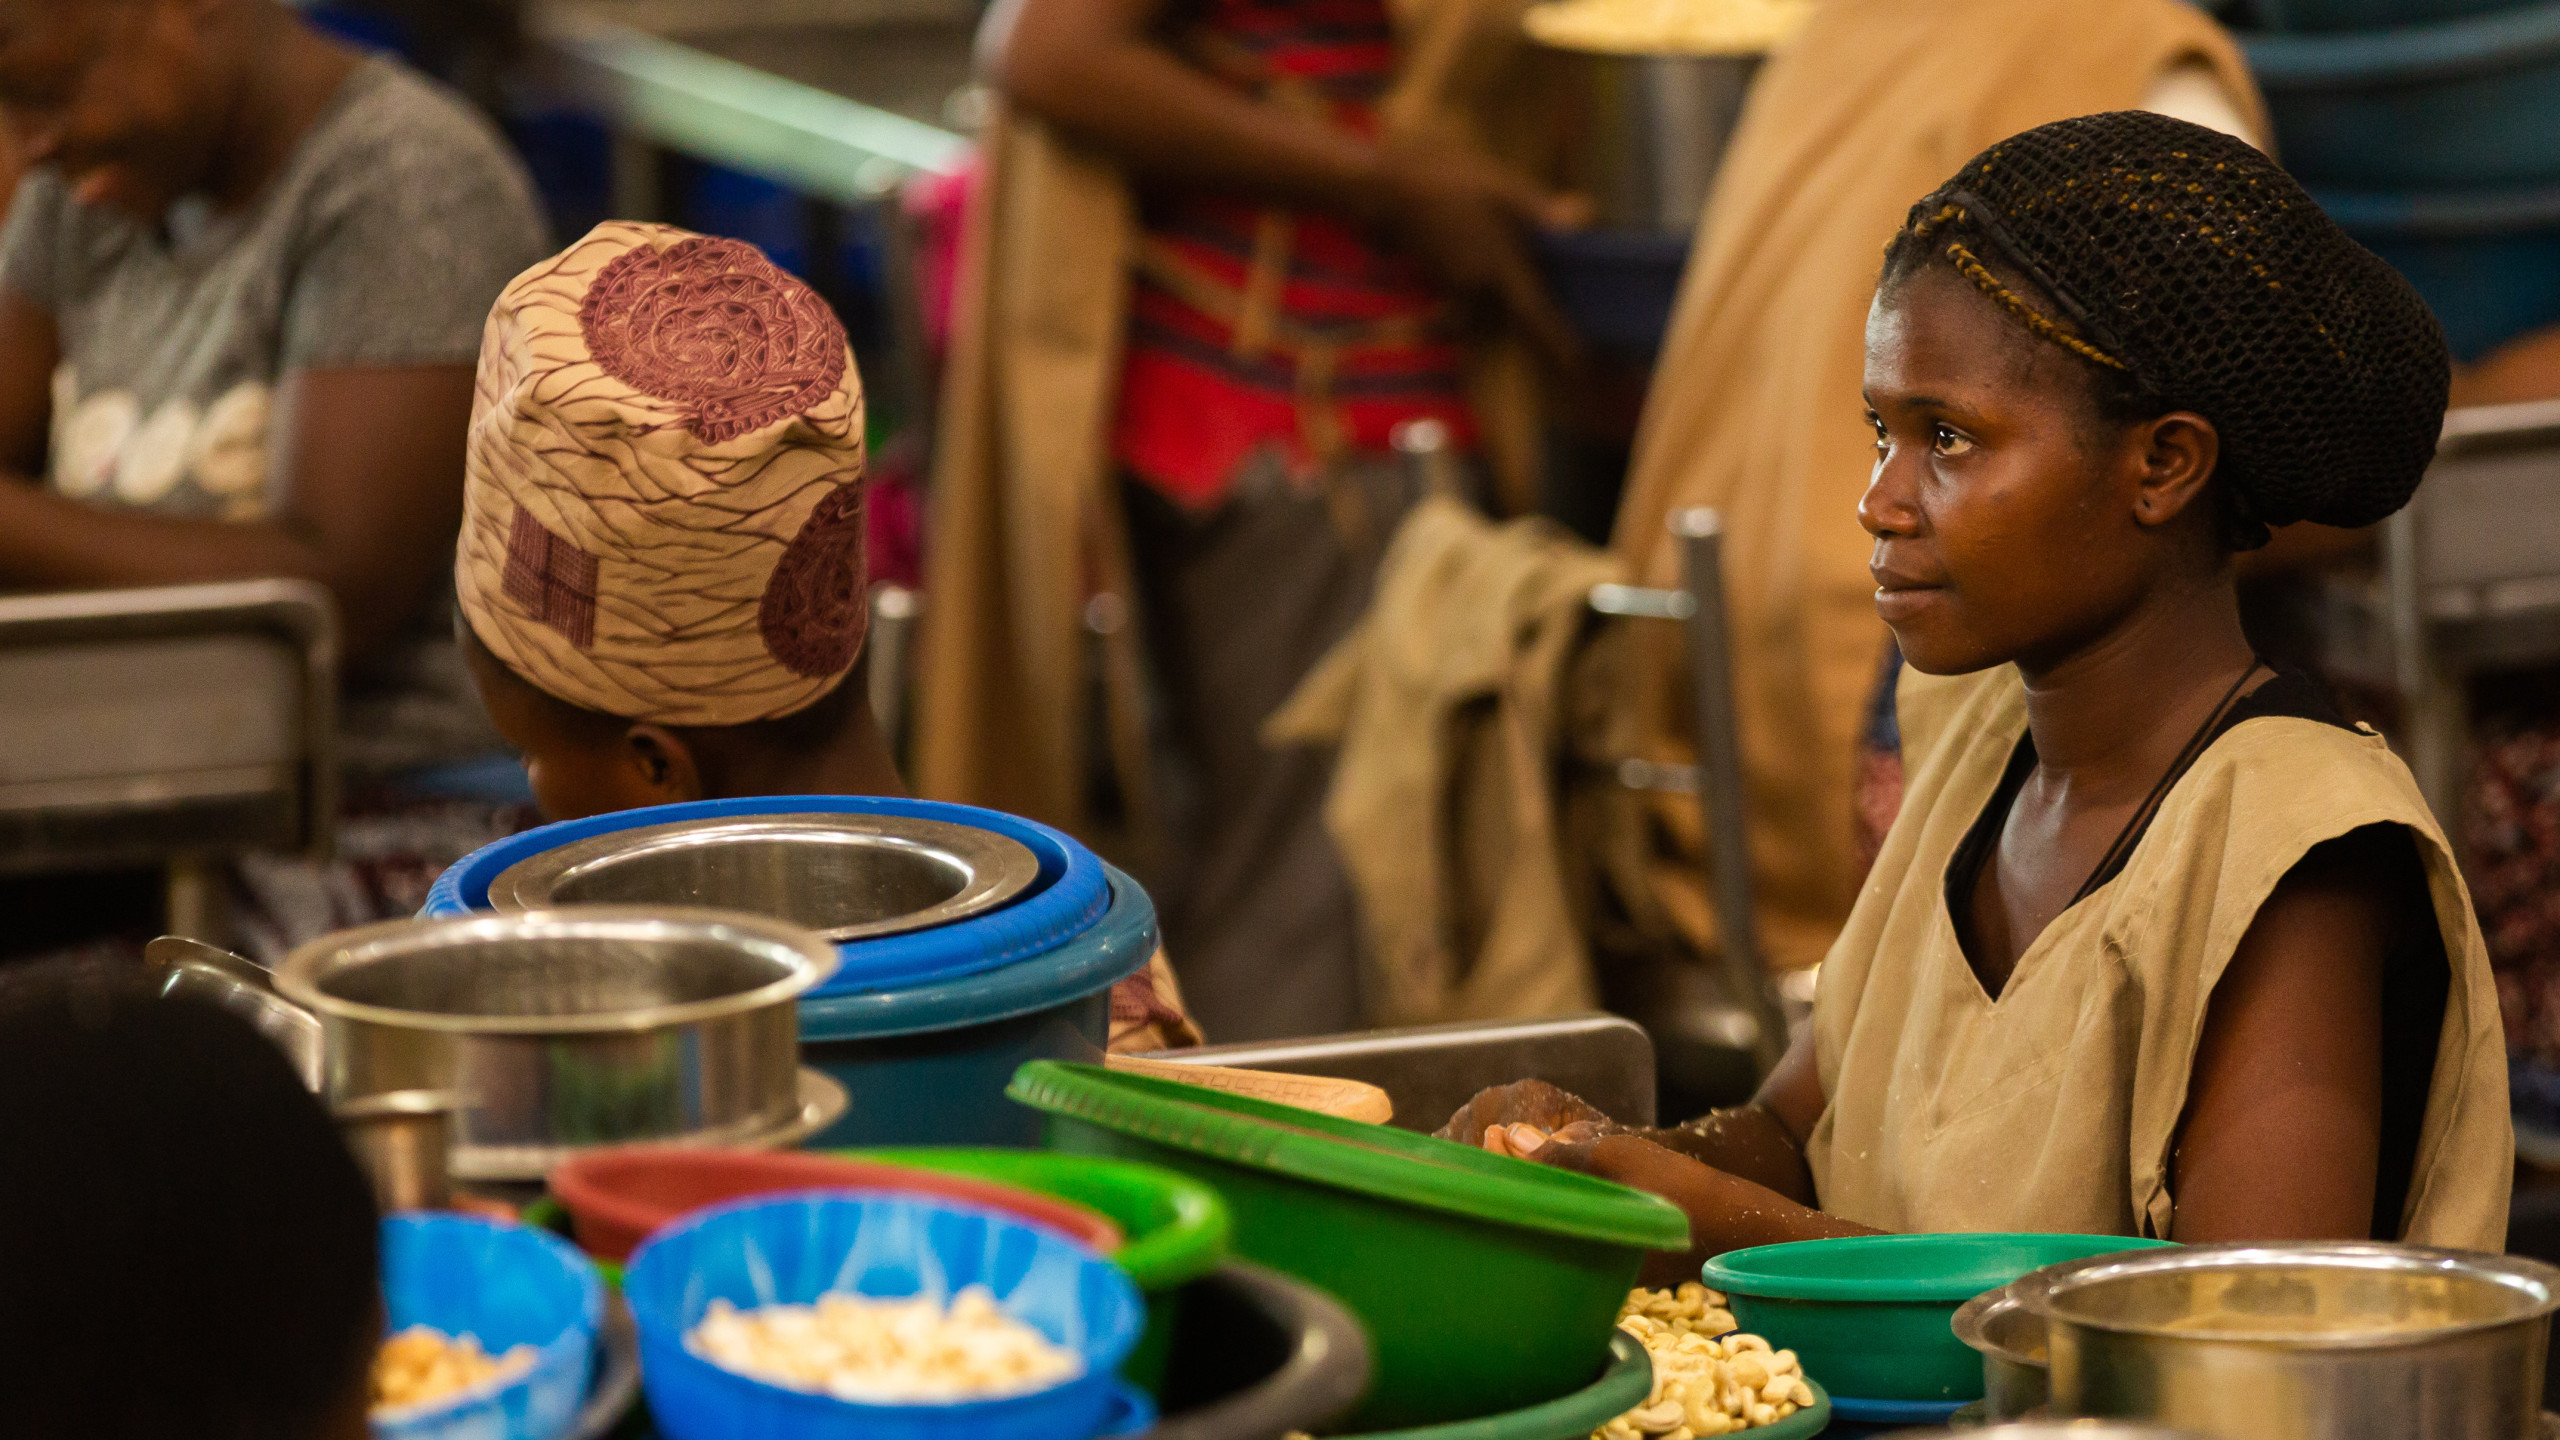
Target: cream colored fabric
[(1755, 409), (2056, 1107), (662, 503), (1028, 527), (1447, 705)]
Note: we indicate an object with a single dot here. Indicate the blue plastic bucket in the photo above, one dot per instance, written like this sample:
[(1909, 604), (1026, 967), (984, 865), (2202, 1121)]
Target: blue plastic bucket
[(2488, 264), (792, 1249), (1069, 896), (928, 1065), (506, 1285), (2461, 104)]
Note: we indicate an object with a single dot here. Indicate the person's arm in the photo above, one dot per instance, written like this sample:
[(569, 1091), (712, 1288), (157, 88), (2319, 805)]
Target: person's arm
[(1099, 71), (371, 461), (2284, 1111)]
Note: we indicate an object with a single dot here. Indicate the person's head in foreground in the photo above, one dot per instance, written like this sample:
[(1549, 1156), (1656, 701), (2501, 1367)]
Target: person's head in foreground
[(186, 1246), (661, 567), (2105, 356)]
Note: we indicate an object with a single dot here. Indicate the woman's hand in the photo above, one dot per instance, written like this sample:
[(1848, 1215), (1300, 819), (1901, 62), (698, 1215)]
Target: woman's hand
[(1533, 1103), (1725, 1211)]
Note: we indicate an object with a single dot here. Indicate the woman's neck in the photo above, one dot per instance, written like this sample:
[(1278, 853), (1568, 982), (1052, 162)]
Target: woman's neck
[(286, 83), (2110, 717)]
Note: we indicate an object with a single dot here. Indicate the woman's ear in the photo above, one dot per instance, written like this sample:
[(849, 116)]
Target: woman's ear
[(2180, 453), (660, 765)]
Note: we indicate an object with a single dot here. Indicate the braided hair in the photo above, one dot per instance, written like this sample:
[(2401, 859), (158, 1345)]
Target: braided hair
[(2188, 272)]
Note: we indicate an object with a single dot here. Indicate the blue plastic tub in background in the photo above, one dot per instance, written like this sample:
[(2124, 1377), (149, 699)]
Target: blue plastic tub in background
[(506, 1285), (792, 1249), (2464, 104), (929, 1065), (2315, 16), (1069, 896), (2488, 263)]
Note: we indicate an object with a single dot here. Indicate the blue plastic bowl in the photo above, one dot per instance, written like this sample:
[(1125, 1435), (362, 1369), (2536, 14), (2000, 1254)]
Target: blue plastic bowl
[(508, 1285), (1067, 898), (928, 1064), (2461, 104), (2487, 262), (791, 1249)]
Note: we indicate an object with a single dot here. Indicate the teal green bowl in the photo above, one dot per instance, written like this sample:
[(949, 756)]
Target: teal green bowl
[(1872, 1316)]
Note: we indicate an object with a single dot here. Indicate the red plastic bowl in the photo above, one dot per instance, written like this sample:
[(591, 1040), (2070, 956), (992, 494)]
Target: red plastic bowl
[(617, 1197)]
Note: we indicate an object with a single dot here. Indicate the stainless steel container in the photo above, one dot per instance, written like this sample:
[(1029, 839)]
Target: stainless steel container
[(565, 1028), (2327, 1341), (192, 970), (1647, 133), (404, 1143), (2010, 1338), (846, 876)]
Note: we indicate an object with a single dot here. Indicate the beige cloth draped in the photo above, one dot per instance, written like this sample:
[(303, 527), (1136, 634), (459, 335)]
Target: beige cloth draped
[(1448, 705), (1026, 522), (2055, 1108), (1755, 406)]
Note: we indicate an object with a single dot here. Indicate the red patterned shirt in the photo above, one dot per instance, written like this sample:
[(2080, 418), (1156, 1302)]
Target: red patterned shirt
[(1193, 404)]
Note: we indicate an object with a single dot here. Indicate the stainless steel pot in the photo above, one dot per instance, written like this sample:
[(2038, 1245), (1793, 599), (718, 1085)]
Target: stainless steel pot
[(566, 1028), (2328, 1341), (846, 876), (1648, 132), (192, 970), (2010, 1338)]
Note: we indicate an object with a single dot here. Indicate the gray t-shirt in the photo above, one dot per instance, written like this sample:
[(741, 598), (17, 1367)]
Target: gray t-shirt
[(383, 241)]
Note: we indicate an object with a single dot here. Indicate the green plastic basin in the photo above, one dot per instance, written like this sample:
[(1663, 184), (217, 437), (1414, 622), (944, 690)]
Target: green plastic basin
[(1176, 1227), (1487, 1284), (1871, 1316)]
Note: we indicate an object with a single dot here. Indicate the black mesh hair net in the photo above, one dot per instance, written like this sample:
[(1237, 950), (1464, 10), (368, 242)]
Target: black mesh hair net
[(2195, 265)]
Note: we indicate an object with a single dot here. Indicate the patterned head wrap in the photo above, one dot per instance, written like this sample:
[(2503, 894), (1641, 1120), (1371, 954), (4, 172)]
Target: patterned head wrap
[(2191, 266), (662, 501)]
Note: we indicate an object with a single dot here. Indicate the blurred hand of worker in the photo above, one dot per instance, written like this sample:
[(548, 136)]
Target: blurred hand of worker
[(1101, 71), (1466, 217), (1535, 1104)]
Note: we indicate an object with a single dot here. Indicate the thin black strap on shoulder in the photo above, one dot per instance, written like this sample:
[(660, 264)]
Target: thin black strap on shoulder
[(2140, 819)]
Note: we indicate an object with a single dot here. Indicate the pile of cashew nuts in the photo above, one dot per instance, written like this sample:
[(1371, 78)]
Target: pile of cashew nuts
[(1703, 1385)]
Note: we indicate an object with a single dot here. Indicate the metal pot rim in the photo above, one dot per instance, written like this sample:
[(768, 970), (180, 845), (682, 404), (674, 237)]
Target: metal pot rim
[(2039, 1290), (1001, 868), (298, 978), (1972, 1324)]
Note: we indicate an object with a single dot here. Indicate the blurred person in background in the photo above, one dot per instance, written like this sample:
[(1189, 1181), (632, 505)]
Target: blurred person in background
[(1222, 250), (190, 1247), (1755, 410), (240, 292)]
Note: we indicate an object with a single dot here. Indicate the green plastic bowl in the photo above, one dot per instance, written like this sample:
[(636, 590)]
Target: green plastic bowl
[(1176, 1227), (1487, 1284), (1620, 1388), (1872, 1316)]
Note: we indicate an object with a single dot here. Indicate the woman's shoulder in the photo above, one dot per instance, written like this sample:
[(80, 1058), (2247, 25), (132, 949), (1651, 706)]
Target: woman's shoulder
[(401, 146)]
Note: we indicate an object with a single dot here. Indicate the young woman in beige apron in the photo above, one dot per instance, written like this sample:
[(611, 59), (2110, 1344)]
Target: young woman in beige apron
[(2158, 945)]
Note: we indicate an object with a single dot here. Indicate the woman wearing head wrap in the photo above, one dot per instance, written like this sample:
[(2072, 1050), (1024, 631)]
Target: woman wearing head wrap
[(2158, 945), (661, 567)]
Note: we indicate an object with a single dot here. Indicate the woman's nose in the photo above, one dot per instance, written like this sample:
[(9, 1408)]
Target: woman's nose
[(1886, 507)]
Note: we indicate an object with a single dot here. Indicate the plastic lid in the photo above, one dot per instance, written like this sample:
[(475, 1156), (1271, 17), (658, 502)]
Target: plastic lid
[(1375, 1160)]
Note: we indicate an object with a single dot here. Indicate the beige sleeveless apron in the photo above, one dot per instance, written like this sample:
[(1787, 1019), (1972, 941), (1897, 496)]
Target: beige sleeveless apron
[(2055, 1107)]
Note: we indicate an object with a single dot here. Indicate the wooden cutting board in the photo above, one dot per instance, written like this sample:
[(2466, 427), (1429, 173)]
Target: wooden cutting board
[(1349, 1099)]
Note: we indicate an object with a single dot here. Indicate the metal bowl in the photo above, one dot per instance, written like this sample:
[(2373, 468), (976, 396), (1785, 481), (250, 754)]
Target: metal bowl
[(567, 1028), (2011, 1340), (2338, 1341), (846, 876)]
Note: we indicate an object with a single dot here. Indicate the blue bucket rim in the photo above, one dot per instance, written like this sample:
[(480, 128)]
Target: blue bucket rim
[(1114, 948), (1070, 897), (2404, 55), (1101, 1359)]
